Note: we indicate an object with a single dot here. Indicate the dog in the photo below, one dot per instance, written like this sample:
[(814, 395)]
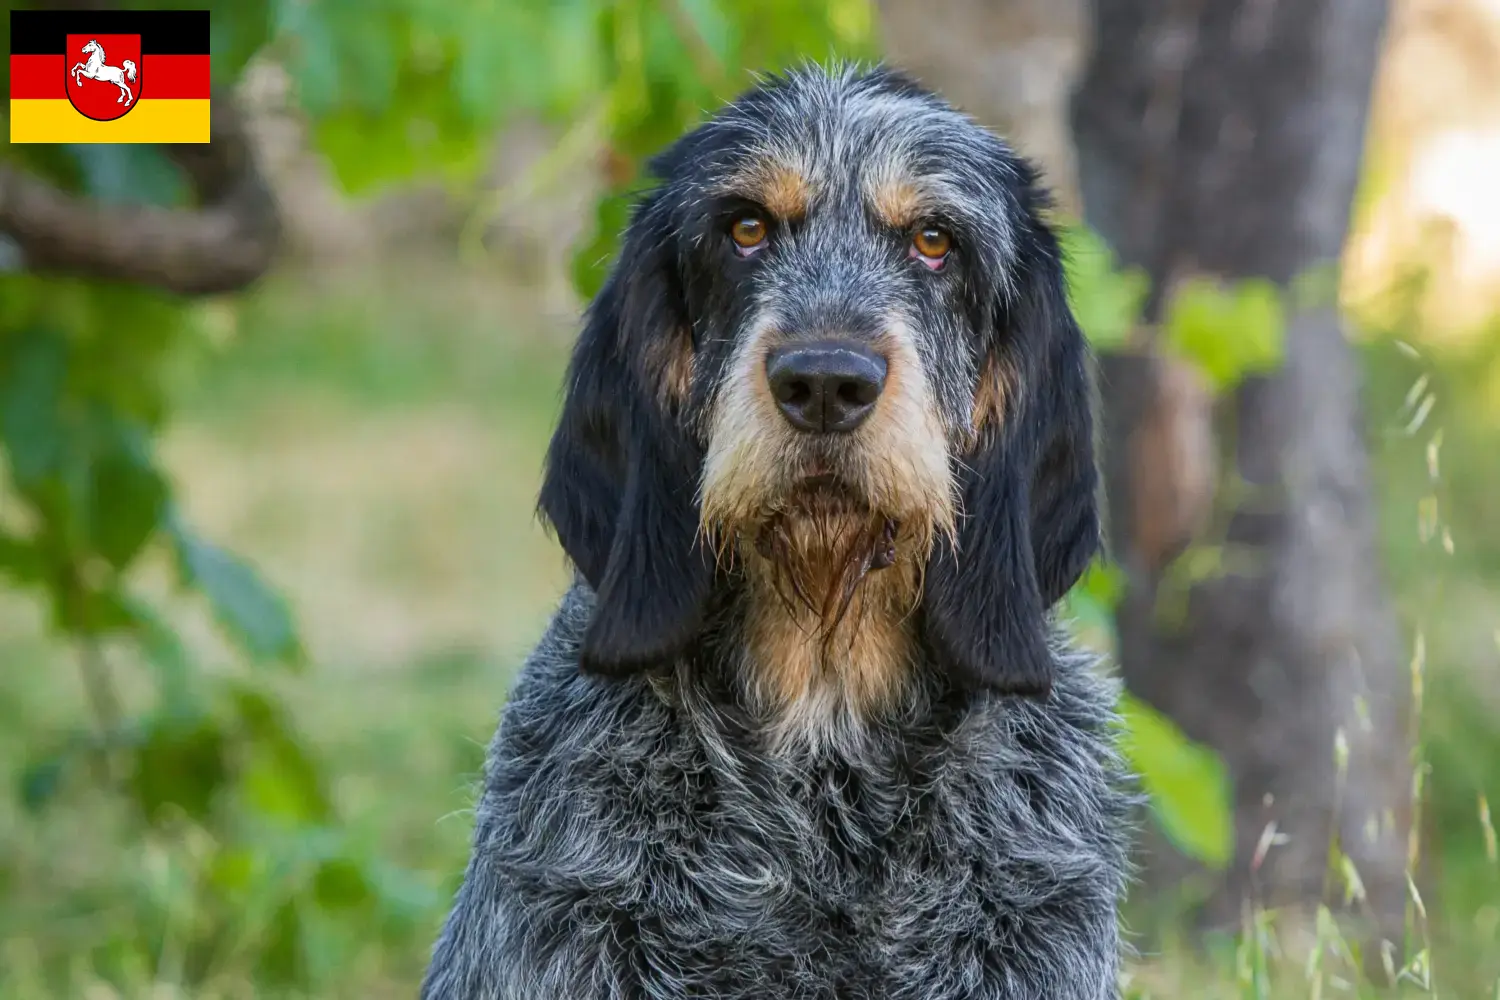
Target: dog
[(805, 727)]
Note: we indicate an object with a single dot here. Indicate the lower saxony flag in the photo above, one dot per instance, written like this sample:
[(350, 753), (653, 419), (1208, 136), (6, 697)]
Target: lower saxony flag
[(109, 76)]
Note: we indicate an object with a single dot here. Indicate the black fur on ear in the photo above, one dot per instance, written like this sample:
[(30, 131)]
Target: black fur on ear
[(622, 470), (1030, 523)]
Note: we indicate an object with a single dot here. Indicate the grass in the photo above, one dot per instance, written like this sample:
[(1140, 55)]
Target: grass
[(375, 449)]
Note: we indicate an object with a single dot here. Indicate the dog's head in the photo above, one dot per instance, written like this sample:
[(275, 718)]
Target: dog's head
[(837, 337)]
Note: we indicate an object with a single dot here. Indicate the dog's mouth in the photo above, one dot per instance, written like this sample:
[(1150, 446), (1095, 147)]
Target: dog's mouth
[(823, 500), (823, 493)]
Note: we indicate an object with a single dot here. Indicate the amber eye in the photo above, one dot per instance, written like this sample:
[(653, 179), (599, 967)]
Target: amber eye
[(931, 243), (749, 232)]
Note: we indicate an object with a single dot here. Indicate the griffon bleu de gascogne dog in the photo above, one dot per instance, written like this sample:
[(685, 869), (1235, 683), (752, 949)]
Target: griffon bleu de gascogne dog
[(805, 728)]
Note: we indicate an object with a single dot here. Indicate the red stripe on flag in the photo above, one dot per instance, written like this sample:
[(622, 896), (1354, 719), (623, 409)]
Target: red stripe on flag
[(37, 77), (164, 77)]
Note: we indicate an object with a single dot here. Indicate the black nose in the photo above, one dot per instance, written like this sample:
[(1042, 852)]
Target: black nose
[(825, 387)]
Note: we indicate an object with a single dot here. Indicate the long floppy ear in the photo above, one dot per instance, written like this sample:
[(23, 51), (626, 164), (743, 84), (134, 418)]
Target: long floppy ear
[(1030, 513), (621, 471)]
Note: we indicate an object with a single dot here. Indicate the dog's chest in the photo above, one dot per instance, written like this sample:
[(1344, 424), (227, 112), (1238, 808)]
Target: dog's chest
[(723, 873), (634, 846)]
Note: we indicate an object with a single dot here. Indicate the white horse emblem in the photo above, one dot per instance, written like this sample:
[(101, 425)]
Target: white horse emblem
[(97, 69)]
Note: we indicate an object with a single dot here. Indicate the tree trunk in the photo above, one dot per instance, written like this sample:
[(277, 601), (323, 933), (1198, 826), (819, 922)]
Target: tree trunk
[(1223, 138)]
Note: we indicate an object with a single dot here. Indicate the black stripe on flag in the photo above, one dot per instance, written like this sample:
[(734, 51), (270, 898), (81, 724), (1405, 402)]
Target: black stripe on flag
[(163, 32)]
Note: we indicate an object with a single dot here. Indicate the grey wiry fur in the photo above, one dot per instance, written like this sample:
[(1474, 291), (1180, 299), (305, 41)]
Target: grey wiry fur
[(685, 799), (633, 842)]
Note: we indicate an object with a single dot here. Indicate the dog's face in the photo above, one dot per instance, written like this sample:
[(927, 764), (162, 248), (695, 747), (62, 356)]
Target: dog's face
[(836, 342)]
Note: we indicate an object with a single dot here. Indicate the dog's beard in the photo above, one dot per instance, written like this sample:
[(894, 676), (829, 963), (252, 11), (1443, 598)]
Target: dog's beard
[(831, 576), (818, 546)]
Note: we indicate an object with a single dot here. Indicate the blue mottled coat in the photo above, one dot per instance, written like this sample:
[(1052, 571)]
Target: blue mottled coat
[(632, 843)]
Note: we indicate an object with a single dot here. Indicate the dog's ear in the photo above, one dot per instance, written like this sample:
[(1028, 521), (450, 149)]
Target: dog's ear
[(1030, 519), (622, 470)]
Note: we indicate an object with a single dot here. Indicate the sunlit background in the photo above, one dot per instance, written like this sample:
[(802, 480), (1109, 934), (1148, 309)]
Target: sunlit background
[(243, 706)]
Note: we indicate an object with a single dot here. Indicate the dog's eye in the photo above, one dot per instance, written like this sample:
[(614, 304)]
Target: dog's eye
[(748, 233), (931, 245)]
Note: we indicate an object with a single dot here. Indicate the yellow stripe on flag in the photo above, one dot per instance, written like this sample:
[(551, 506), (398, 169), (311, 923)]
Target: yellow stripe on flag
[(150, 121)]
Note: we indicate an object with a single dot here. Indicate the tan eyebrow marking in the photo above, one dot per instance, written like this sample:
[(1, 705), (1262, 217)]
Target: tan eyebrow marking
[(784, 191), (899, 203), (783, 188)]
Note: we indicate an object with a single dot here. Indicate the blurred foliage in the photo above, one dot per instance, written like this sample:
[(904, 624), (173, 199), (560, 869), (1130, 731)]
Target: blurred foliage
[(1107, 300), (1188, 788), (1186, 785), (1227, 332)]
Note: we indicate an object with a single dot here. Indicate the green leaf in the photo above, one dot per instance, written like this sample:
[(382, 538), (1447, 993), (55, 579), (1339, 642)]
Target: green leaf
[(504, 53), (1103, 583), (182, 764), (340, 884), (1090, 605), (424, 133), (851, 23), (284, 959), (79, 609), (41, 780), (31, 406), (48, 160), (1107, 302), (281, 781), (1188, 786), (591, 262), (574, 42), (165, 654), (129, 173), (708, 19), (1228, 332), (313, 61), (236, 33), (370, 54), (129, 494), (21, 559), (244, 605), (233, 870)]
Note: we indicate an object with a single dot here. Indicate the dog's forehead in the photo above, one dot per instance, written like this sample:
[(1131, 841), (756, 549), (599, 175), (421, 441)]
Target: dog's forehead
[(816, 135)]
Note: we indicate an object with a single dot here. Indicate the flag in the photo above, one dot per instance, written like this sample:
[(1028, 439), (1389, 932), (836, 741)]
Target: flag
[(109, 76)]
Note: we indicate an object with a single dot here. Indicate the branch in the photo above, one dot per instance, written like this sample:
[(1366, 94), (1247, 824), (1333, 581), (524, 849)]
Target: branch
[(99, 687), (224, 244)]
